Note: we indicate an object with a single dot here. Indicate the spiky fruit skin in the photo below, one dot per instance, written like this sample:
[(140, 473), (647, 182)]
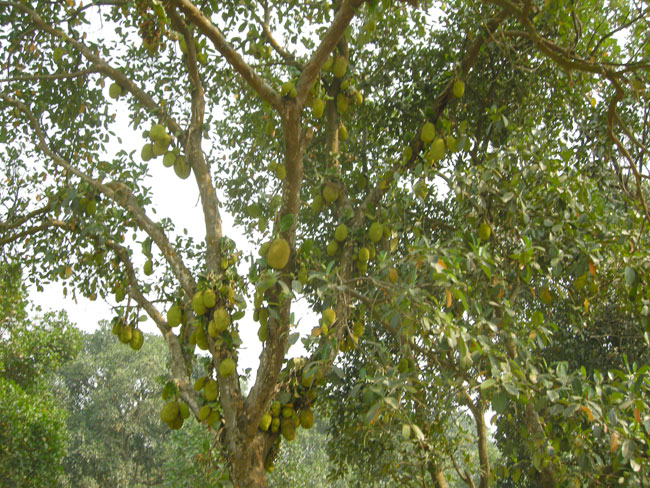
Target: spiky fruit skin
[(265, 422), (158, 133), (363, 255), (226, 368), (213, 418), (209, 298), (277, 256), (169, 411), (288, 429), (199, 383), (317, 108), (484, 231), (184, 411), (211, 390), (458, 89), (275, 424), (329, 316), (332, 248), (427, 133), (169, 159), (317, 204), (437, 150), (221, 319), (306, 418), (177, 423), (341, 104), (343, 133), (203, 414), (147, 152), (330, 192), (197, 303), (375, 232), (114, 91), (341, 233), (148, 267), (340, 67), (181, 168), (137, 339), (174, 315), (201, 339)]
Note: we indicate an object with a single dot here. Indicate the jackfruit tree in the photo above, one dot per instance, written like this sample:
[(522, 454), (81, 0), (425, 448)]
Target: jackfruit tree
[(435, 179)]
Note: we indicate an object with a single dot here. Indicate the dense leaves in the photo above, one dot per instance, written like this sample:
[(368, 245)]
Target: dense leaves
[(461, 187)]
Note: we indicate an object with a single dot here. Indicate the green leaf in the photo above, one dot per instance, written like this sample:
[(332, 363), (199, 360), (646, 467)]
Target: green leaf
[(286, 222)]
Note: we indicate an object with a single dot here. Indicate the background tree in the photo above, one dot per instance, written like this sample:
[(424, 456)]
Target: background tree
[(489, 97), (116, 435), (33, 432)]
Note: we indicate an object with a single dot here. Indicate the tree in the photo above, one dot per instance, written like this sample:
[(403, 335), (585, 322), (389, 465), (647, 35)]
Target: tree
[(314, 143), (116, 436), (33, 434)]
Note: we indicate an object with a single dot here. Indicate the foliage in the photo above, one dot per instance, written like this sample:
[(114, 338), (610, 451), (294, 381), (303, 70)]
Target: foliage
[(33, 433), (32, 437), (464, 181), (116, 436)]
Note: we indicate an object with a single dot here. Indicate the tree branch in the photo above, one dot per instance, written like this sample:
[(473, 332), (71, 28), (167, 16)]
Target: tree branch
[(196, 17), (117, 192), (328, 43)]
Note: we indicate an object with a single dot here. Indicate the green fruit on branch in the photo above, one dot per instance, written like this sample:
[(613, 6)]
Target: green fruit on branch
[(137, 339), (286, 87), (358, 97), (328, 64), (317, 108), (363, 255), (226, 368), (181, 168), (169, 411), (169, 159), (197, 304), (437, 150), (158, 133), (213, 418), (275, 408), (451, 143), (199, 383), (306, 418), (177, 423), (278, 254), (148, 267), (332, 248), (375, 232), (209, 298), (275, 424), (221, 319), (174, 315), (341, 232), (160, 147), (484, 231), (184, 411), (341, 103), (265, 422), (211, 390), (115, 91), (340, 67), (328, 316), (263, 333), (458, 89), (343, 133), (147, 152), (330, 192), (204, 412), (427, 133), (126, 334), (201, 339), (288, 429)]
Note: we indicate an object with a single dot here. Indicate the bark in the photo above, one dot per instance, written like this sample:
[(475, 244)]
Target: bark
[(438, 476), (247, 464)]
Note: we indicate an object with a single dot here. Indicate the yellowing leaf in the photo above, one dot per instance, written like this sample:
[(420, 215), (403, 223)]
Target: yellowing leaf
[(587, 412), (613, 441), (448, 297), (592, 268)]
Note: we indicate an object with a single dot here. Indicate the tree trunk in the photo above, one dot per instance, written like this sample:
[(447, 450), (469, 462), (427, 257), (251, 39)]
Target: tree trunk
[(247, 468)]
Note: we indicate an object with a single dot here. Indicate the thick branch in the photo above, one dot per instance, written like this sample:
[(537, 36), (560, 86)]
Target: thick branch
[(194, 153), (196, 17), (327, 45)]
